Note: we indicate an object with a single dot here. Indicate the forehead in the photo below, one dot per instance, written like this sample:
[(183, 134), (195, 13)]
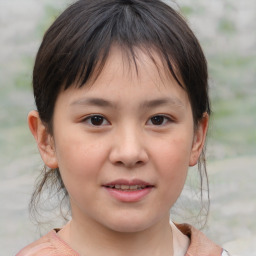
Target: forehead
[(129, 80), (138, 63)]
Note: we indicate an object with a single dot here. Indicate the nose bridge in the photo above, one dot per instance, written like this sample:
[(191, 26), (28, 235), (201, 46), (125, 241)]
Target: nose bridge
[(128, 147)]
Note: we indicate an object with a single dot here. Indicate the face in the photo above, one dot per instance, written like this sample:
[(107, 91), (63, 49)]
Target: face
[(124, 145)]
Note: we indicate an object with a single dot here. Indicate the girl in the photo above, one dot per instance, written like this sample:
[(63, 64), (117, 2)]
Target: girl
[(122, 112)]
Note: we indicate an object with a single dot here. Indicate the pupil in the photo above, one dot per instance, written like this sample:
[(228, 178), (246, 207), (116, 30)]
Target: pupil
[(157, 120), (97, 120)]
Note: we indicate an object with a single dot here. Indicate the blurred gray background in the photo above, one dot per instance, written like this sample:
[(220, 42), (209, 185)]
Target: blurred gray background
[(227, 32)]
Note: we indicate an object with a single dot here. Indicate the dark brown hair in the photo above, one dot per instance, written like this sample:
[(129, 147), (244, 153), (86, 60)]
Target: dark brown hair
[(78, 43)]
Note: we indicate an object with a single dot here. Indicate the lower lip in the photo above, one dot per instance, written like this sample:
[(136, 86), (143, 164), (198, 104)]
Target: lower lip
[(129, 196)]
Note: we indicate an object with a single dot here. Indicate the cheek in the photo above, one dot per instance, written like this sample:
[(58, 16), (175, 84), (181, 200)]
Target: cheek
[(172, 164), (173, 153), (79, 159)]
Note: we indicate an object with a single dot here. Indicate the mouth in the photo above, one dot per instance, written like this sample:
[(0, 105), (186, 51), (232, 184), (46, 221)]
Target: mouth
[(128, 188)]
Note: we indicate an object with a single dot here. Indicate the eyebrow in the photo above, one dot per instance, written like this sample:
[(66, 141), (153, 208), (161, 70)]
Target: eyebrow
[(93, 101), (145, 105), (162, 101)]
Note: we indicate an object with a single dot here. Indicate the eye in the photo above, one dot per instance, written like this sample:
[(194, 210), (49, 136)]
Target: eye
[(96, 120), (159, 120)]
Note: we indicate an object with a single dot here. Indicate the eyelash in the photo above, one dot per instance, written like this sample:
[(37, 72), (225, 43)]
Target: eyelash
[(101, 118), (164, 118), (103, 121)]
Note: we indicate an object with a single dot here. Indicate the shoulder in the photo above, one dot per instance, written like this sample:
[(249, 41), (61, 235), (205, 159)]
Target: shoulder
[(50, 245), (39, 247), (200, 245)]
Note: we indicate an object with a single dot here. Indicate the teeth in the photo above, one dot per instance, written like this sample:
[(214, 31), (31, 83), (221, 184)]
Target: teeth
[(127, 187)]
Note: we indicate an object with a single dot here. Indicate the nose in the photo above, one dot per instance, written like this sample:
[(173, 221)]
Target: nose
[(129, 149)]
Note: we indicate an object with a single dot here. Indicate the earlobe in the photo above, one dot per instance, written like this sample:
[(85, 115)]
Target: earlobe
[(199, 139), (43, 139)]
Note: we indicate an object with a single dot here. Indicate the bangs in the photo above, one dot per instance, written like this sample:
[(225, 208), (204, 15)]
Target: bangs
[(77, 45), (87, 45)]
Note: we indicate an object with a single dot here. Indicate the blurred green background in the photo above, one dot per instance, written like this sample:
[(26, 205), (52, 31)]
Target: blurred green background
[(226, 30)]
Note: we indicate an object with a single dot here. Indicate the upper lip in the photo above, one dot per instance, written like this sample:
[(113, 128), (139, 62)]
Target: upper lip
[(128, 182)]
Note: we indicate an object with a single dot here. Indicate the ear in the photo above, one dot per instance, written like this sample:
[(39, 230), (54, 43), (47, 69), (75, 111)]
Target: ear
[(199, 139), (43, 139)]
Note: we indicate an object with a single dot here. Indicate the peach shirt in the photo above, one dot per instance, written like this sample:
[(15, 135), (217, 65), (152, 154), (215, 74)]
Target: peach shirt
[(52, 245)]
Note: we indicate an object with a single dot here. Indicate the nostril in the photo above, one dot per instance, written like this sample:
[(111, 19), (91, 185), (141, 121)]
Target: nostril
[(130, 164), (119, 163), (139, 163)]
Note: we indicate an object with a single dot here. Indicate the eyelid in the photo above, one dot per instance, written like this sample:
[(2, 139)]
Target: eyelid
[(88, 117), (168, 119)]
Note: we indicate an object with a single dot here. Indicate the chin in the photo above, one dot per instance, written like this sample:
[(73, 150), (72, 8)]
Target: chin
[(130, 224), (128, 228)]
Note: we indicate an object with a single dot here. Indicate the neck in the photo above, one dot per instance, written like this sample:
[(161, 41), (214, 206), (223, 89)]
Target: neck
[(93, 239)]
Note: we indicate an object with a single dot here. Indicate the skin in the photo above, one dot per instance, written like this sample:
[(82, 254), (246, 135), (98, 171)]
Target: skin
[(126, 145)]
